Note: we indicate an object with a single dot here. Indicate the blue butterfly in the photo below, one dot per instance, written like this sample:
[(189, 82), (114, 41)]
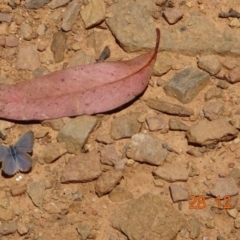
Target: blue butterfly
[(16, 158)]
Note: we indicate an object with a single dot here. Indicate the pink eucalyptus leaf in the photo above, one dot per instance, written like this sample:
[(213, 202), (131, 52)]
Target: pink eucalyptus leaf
[(84, 89)]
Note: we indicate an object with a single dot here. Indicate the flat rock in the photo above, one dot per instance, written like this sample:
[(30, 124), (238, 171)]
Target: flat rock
[(209, 63), (172, 172), (58, 3), (146, 148), (137, 32), (107, 181), (163, 64), (211, 132), (125, 126), (35, 4), (53, 151), (156, 123), (186, 85), (109, 155), (148, 217), (212, 110), (177, 125), (172, 15), (80, 58), (24, 61), (58, 46), (75, 140), (119, 194), (169, 108), (84, 230), (84, 167), (93, 13), (178, 193), (233, 75), (36, 191), (194, 227), (225, 187), (70, 15)]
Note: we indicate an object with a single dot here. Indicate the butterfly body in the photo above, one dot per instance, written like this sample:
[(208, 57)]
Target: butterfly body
[(16, 158)]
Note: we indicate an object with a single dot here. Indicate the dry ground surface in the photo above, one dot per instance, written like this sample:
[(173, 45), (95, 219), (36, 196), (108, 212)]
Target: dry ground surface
[(140, 172)]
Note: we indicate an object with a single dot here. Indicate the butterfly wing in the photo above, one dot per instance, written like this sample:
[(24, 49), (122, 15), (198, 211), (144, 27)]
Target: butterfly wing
[(25, 143), (4, 152), (9, 165), (23, 161)]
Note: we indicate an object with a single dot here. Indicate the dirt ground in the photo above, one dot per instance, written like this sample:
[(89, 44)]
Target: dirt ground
[(74, 210)]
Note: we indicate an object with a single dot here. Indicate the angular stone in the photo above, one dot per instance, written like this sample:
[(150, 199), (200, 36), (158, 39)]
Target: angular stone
[(214, 92), (70, 15), (35, 4), (58, 46), (58, 3), (225, 187), (211, 132), (82, 168), (233, 75), (26, 31), (107, 181), (178, 193), (175, 124), (209, 63), (36, 191), (109, 155), (80, 58), (84, 230), (212, 110), (22, 228), (53, 151), (76, 132), (163, 64), (7, 228), (169, 108), (93, 13), (156, 123), (24, 61), (146, 148), (125, 125), (194, 227), (148, 217), (186, 85), (172, 172), (119, 194), (172, 15)]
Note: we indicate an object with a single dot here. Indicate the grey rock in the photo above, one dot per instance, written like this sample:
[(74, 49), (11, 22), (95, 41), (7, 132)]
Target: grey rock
[(211, 132), (233, 75), (186, 85), (146, 148), (6, 17), (22, 228), (224, 187), (70, 15), (7, 228), (25, 31), (107, 181), (24, 61), (175, 124), (58, 46), (82, 168), (36, 191), (80, 58), (12, 41), (41, 71), (178, 193), (235, 173), (76, 132), (137, 32), (169, 108), (172, 172), (163, 64), (125, 126), (194, 227), (214, 92), (35, 4), (53, 151), (93, 13), (119, 194), (84, 230), (58, 3), (172, 15), (109, 155), (212, 110), (209, 63), (148, 217), (156, 123)]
